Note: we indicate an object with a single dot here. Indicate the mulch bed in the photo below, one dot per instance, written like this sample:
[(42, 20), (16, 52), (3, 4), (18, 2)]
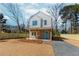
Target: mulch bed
[(3, 40), (32, 41)]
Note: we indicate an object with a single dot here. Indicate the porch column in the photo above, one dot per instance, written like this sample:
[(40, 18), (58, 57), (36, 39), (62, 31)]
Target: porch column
[(29, 34), (50, 35)]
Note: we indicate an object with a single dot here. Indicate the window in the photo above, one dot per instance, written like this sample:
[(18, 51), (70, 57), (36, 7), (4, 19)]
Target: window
[(34, 23), (45, 22)]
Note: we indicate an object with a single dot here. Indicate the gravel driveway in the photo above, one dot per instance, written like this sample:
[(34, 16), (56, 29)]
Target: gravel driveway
[(64, 49)]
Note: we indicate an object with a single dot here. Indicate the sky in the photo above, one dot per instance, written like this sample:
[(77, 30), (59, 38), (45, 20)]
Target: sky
[(28, 9)]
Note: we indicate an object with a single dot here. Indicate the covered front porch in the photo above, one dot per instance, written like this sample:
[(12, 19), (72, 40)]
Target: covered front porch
[(41, 34)]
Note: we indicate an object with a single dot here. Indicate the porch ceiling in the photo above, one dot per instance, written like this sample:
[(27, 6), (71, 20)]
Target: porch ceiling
[(41, 29)]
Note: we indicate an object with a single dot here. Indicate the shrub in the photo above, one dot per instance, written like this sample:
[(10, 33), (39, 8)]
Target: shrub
[(55, 33), (12, 35)]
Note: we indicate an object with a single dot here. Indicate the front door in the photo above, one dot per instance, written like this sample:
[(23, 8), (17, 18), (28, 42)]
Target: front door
[(46, 35), (33, 34)]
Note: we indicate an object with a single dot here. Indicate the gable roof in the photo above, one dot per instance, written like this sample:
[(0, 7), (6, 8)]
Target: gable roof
[(40, 12)]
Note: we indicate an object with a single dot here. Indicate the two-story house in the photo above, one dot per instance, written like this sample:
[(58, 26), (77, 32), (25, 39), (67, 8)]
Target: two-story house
[(40, 26)]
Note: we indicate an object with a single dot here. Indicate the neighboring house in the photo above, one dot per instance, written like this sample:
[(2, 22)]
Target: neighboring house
[(40, 26)]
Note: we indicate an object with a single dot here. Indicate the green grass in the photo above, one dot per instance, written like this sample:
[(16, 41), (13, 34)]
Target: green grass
[(12, 35)]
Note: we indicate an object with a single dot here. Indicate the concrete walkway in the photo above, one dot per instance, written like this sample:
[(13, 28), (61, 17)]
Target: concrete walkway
[(64, 49)]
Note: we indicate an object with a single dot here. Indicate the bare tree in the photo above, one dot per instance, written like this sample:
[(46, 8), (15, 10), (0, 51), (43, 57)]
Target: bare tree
[(15, 13), (54, 11)]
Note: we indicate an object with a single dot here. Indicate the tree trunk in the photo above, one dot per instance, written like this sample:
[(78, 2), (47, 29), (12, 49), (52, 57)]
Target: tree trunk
[(56, 26), (75, 23), (71, 26), (65, 27), (18, 25)]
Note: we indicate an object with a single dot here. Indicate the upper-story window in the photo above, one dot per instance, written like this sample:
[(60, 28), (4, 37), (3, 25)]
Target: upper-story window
[(34, 23), (45, 22)]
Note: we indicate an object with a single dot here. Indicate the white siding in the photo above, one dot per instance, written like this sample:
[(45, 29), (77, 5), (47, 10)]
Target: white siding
[(48, 22), (38, 22), (38, 18)]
